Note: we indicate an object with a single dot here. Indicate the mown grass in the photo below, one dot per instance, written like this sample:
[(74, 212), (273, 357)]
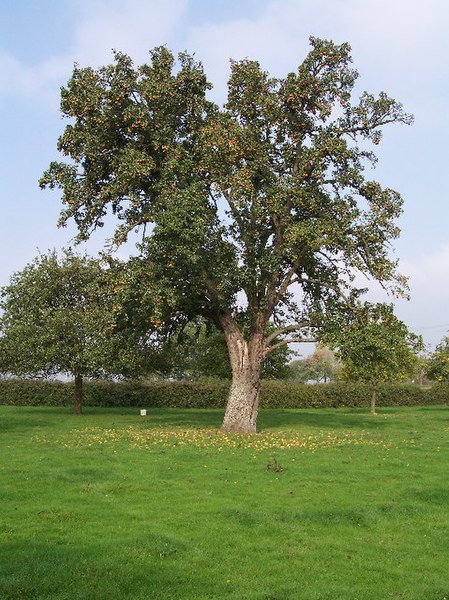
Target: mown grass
[(115, 506)]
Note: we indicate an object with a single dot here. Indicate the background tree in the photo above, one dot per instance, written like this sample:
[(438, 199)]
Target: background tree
[(376, 347), (321, 366), (299, 370), (242, 203), (437, 368), (58, 317), (419, 375)]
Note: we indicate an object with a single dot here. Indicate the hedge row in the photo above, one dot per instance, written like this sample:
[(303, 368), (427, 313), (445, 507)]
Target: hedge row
[(213, 393)]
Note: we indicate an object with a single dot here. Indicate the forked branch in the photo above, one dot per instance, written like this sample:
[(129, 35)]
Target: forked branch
[(289, 341), (282, 330)]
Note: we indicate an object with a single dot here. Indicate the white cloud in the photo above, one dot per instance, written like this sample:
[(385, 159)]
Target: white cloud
[(427, 312), (405, 35), (15, 77), (430, 267), (273, 37), (131, 26), (402, 44)]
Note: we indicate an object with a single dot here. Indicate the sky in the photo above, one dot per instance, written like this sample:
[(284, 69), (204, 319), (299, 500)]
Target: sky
[(398, 46)]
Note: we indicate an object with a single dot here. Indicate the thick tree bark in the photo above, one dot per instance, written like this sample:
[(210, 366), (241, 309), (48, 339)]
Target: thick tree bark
[(78, 400), (246, 358), (373, 401)]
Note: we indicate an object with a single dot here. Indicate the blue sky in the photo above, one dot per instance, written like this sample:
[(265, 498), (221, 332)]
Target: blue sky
[(399, 46)]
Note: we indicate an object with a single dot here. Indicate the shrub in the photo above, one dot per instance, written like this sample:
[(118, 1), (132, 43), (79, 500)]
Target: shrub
[(213, 393), (280, 394), (35, 392)]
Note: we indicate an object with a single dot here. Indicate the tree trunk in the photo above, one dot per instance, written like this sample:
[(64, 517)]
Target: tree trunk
[(78, 400), (246, 358), (421, 378), (373, 401)]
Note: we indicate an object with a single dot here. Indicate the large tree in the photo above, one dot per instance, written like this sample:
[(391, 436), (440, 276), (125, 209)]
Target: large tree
[(255, 214), (59, 317)]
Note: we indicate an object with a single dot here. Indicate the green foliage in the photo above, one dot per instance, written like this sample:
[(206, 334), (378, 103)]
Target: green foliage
[(374, 346), (321, 367), (212, 394), (57, 317), (277, 394), (238, 201), (201, 351), (60, 316), (37, 392), (299, 370), (437, 367), (419, 372), (209, 355)]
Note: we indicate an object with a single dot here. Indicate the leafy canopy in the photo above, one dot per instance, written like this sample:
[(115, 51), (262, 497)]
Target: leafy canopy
[(321, 366), (375, 346), (437, 367), (240, 203), (58, 316), (200, 351)]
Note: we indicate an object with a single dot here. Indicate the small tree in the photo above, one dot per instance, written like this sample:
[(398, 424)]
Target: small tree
[(376, 347), (437, 367), (245, 202), (59, 317)]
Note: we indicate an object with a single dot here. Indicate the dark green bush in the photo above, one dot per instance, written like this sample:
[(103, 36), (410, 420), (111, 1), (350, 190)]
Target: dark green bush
[(24, 392), (171, 394), (282, 394), (213, 394)]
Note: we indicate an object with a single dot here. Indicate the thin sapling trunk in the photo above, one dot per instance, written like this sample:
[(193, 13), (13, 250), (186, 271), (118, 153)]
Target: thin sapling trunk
[(373, 401), (78, 400)]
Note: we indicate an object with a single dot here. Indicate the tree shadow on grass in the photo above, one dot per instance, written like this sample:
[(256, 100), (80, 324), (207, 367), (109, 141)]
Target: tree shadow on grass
[(30, 419), (269, 419), (20, 423), (26, 418), (136, 570), (320, 419), (188, 417)]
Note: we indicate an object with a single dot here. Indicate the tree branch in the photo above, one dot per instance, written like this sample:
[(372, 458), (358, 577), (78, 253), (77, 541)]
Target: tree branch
[(281, 330), (369, 127), (271, 285), (289, 341), (212, 289), (284, 285)]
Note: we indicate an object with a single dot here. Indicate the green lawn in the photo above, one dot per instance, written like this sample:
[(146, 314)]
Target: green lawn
[(112, 505)]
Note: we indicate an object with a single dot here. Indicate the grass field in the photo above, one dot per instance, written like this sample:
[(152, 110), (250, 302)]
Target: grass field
[(323, 504)]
